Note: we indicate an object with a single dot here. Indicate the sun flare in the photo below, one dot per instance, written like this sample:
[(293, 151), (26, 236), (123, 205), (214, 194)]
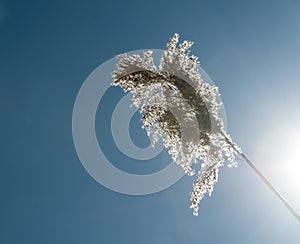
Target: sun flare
[(278, 153)]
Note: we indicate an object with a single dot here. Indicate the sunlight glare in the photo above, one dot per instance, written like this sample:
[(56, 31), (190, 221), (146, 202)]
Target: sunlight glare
[(278, 156)]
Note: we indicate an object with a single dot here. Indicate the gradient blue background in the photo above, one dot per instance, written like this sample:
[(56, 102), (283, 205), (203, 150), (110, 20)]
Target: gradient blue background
[(251, 49)]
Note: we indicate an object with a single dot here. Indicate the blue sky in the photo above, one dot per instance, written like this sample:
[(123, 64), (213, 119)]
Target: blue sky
[(251, 50)]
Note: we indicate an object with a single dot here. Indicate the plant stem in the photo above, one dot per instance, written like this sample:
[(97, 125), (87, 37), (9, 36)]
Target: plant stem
[(265, 180)]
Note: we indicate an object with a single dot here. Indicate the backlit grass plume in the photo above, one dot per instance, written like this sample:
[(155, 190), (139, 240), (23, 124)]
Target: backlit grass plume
[(178, 106)]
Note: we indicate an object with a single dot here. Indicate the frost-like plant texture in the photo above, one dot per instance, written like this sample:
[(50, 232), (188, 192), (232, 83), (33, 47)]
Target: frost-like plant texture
[(179, 107)]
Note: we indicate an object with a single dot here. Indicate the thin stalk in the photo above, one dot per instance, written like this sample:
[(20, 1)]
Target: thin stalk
[(265, 180)]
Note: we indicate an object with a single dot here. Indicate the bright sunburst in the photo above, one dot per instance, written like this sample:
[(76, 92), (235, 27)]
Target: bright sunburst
[(278, 153)]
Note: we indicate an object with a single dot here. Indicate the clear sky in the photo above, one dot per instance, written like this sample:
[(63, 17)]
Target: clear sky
[(251, 50)]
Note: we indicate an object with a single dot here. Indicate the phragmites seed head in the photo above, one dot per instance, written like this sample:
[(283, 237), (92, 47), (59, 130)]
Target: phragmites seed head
[(179, 107)]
